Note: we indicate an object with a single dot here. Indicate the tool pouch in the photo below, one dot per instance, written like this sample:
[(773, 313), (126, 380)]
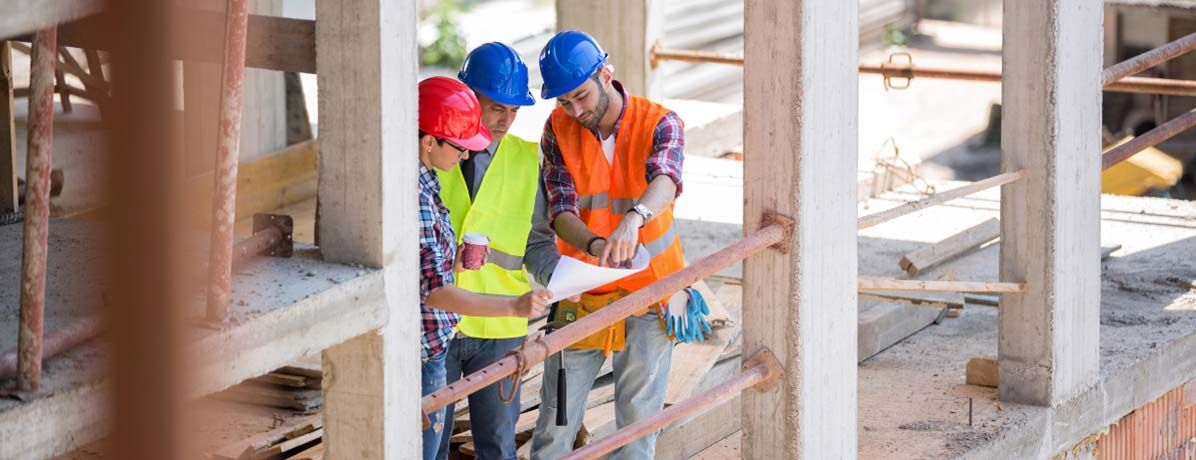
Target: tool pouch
[(610, 339)]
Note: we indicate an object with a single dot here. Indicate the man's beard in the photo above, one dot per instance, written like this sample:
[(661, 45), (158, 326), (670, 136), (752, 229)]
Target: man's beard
[(600, 110)]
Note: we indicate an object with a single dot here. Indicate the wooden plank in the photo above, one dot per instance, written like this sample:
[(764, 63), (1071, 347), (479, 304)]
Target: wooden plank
[(874, 283), (953, 246), (687, 437), (245, 447), (297, 370), (290, 444), (692, 361), (940, 198), (316, 452), (982, 371), (274, 378), (954, 300), (8, 146)]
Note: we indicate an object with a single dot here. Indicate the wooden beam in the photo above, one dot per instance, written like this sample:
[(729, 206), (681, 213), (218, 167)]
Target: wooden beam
[(939, 198), (692, 361), (8, 134), (273, 43), (951, 247), (952, 300)]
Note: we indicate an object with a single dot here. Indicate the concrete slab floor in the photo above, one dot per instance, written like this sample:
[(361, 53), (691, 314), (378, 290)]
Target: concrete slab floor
[(913, 400), (273, 299)]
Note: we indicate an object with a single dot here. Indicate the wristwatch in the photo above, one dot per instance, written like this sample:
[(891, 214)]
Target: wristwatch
[(643, 211)]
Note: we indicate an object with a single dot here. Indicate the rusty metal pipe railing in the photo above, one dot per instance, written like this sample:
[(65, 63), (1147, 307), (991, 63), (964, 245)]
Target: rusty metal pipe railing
[(759, 371), (1148, 59), (56, 341), (224, 202), (537, 349), (1142, 85), (37, 209), (1151, 138), (255, 245), (939, 198)]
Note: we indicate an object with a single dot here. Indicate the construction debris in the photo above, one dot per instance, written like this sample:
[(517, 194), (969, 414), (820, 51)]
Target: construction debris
[(289, 387), (306, 433), (982, 371)]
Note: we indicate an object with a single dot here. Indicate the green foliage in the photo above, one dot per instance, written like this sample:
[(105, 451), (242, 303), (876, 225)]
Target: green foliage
[(448, 50), (895, 36)]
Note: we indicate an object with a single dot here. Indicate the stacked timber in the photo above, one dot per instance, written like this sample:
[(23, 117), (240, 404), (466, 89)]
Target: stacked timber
[(294, 388), (299, 439)]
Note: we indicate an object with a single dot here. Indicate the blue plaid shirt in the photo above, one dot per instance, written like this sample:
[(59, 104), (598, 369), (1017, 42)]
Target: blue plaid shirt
[(437, 247)]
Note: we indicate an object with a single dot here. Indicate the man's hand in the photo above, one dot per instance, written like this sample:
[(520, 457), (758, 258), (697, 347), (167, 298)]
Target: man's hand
[(620, 247), (531, 304)]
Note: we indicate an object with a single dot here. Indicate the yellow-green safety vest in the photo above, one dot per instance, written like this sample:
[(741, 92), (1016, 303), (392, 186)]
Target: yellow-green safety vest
[(502, 210)]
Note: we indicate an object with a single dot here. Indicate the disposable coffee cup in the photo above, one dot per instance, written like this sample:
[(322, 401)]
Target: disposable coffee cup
[(474, 254)]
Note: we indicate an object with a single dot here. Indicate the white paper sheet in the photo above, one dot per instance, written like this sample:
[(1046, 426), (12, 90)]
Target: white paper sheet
[(572, 276)]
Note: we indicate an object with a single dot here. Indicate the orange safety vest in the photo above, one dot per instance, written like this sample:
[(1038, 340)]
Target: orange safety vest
[(607, 192)]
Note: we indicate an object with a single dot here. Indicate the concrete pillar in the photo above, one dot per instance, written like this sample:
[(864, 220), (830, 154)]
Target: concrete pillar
[(1050, 221), (627, 29), (800, 79), (366, 53)]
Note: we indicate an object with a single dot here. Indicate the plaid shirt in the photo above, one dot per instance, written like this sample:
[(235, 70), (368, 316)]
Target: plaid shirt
[(437, 247), (668, 144)]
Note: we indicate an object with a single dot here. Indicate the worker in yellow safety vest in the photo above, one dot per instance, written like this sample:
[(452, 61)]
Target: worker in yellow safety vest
[(496, 193)]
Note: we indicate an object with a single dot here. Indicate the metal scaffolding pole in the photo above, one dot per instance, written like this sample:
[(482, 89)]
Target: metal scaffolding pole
[(907, 71), (37, 209), (1151, 138), (224, 200)]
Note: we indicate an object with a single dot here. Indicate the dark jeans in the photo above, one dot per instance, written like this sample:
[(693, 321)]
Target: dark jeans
[(491, 420), (433, 379)]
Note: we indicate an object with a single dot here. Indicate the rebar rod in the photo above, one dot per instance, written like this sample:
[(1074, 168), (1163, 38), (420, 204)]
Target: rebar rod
[(1151, 138), (224, 200), (760, 370), (536, 350), (1148, 59), (37, 210)]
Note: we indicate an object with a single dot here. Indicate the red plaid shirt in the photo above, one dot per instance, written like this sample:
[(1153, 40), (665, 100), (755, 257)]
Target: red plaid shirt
[(437, 248), (668, 145)]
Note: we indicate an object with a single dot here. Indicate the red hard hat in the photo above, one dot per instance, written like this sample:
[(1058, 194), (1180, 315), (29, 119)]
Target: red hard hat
[(449, 110)]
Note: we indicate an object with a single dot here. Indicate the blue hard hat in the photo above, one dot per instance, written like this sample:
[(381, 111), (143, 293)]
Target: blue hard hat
[(495, 69), (568, 59)]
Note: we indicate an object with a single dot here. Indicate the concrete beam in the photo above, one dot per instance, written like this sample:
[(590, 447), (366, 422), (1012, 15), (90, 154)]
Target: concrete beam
[(800, 78), (368, 215), (25, 16), (626, 29), (1050, 220)]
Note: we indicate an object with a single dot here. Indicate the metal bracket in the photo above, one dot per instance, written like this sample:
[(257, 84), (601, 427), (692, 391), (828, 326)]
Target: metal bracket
[(787, 224), (772, 369), (285, 225), (908, 68)]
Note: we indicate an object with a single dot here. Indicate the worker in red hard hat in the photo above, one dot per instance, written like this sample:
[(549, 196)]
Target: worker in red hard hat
[(450, 125)]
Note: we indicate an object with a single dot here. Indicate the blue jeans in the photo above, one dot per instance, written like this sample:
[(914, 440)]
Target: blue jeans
[(641, 378), (433, 379), (491, 420)]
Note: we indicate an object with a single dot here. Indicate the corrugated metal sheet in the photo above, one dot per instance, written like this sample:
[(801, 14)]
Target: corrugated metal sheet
[(1164, 429)]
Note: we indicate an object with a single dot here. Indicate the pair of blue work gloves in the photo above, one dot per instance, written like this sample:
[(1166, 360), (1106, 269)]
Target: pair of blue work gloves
[(689, 325)]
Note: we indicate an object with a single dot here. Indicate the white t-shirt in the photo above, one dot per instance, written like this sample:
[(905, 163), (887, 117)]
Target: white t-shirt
[(608, 148)]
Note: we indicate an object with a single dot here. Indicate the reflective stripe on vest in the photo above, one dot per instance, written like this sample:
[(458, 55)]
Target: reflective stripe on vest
[(608, 189), (502, 210)]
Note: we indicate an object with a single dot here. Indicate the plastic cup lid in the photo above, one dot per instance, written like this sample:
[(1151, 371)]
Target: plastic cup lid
[(475, 238)]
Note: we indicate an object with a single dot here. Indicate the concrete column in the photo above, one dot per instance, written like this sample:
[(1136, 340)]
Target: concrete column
[(1050, 221), (626, 29), (367, 94), (800, 79)]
